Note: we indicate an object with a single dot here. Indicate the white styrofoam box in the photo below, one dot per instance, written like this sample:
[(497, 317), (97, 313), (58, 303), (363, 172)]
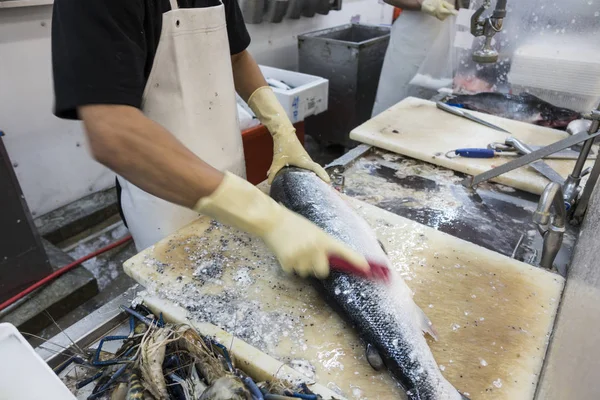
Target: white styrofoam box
[(565, 73), (23, 373), (572, 67), (307, 97)]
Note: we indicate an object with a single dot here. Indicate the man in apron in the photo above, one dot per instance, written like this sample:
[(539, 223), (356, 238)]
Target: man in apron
[(154, 82), (410, 40)]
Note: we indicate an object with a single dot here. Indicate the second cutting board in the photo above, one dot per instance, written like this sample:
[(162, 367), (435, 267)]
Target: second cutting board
[(418, 129)]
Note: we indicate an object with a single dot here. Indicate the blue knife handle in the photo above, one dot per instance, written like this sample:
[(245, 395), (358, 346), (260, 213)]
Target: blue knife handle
[(475, 153)]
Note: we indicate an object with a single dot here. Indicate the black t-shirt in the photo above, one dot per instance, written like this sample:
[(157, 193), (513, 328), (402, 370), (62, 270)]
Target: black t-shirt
[(103, 50)]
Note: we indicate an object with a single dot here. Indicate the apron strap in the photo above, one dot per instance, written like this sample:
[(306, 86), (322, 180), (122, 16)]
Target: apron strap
[(174, 5)]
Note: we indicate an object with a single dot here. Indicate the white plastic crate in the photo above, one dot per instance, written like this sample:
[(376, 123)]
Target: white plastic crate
[(307, 97)]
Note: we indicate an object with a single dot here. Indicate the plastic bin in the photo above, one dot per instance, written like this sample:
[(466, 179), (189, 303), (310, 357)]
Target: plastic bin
[(350, 57)]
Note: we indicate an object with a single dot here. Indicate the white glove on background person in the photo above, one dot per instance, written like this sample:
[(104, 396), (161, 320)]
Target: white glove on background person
[(441, 9)]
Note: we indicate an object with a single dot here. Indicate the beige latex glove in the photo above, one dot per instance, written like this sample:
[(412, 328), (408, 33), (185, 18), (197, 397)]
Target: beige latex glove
[(298, 244), (440, 9), (287, 149)]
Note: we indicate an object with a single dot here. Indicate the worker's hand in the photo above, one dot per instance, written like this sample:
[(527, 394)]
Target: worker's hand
[(440, 9), (299, 245), (287, 149)]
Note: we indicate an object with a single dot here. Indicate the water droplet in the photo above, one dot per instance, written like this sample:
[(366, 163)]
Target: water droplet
[(483, 362), (442, 368), (498, 383)]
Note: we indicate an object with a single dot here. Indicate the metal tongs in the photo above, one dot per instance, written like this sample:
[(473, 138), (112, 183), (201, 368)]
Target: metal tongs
[(513, 147)]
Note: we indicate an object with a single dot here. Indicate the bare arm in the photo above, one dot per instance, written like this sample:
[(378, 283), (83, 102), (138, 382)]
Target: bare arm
[(246, 74), (147, 155), (412, 5)]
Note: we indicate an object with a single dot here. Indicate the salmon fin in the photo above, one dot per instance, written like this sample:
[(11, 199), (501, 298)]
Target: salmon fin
[(425, 323), (374, 359)]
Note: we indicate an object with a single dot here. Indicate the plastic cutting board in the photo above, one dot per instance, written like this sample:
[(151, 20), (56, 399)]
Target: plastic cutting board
[(493, 314), (418, 129)]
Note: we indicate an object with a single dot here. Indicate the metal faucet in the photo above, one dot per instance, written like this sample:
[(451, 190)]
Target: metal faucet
[(488, 27), (551, 226), (571, 186)]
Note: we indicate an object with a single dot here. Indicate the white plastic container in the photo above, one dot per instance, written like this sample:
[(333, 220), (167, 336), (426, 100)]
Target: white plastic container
[(23, 373), (307, 97)]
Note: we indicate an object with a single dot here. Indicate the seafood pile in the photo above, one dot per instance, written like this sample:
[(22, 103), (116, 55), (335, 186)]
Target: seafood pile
[(163, 361)]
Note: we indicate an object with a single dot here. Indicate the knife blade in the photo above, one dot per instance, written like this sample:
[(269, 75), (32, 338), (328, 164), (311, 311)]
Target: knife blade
[(539, 165), (460, 113)]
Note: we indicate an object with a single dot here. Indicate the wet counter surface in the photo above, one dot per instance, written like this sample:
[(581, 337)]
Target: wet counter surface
[(493, 216)]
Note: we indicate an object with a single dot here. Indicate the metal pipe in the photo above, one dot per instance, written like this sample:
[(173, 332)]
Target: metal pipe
[(584, 200), (500, 11), (551, 226), (552, 244), (571, 185)]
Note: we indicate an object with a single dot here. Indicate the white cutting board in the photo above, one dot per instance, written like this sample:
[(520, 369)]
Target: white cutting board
[(493, 314), (418, 129)]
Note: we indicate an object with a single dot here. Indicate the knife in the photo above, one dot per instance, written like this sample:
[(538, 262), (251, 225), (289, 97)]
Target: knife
[(539, 165), (460, 113)]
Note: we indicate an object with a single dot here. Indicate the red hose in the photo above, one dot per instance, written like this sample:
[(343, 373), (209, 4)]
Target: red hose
[(61, 271)]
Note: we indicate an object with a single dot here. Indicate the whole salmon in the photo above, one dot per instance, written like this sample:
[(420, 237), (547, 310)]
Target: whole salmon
[(524, 107), (385, 316)]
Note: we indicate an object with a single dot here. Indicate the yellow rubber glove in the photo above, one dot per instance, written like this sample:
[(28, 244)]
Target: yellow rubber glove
[(287, 149), (298, 244), (440, 9)]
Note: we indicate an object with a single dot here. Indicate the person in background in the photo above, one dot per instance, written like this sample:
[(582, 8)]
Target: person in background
[(411, 38)]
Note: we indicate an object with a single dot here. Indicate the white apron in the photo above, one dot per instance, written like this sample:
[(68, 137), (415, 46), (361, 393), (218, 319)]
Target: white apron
[(411, 37), (191, 93)]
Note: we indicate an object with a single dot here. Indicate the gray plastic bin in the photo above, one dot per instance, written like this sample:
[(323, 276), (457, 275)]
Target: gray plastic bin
[(350, 57)]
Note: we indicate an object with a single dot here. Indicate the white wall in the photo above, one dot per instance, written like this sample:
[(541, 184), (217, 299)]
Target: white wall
[(50, 155)]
